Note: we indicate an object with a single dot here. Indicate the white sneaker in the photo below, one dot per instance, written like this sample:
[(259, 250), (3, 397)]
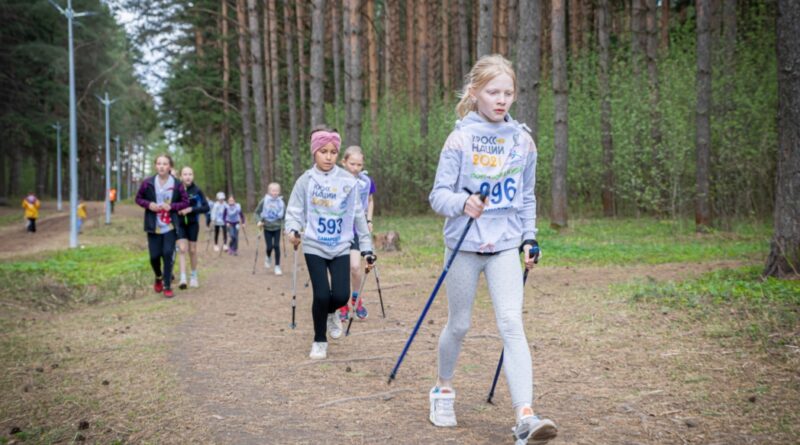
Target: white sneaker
[(216, 248), (534, 430), (334, 325), (443, 411), (267, 263), (319, 350), (224, 247), (278, 270), (193, 282)]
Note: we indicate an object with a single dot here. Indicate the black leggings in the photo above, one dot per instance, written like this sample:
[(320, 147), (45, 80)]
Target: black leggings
[(162, 246), (327, 296), (224, 230), (273, 239), (32, 225)]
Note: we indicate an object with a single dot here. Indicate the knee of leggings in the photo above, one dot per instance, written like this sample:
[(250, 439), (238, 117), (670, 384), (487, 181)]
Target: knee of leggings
[(510, 324), (459, 331)]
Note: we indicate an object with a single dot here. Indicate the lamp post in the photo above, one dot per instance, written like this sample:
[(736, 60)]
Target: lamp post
[(107, 102), (70, 14), (57, 126)]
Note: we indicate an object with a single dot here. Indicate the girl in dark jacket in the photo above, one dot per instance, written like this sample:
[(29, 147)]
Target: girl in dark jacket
[(162, 196), (188, 226)]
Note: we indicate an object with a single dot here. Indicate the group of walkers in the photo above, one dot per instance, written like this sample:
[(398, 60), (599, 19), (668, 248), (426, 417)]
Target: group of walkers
[(484, 186)]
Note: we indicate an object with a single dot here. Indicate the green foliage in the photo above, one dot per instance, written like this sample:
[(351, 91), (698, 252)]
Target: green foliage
[(601, 241), (87, 275)]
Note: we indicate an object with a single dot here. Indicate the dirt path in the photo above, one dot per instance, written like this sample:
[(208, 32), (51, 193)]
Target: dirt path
[(605, 371)]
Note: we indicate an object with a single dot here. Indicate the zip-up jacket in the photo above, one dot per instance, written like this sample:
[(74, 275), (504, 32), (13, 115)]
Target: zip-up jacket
[(147, 194)]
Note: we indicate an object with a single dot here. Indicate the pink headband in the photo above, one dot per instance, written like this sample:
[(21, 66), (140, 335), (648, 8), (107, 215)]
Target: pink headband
[(322, 138)]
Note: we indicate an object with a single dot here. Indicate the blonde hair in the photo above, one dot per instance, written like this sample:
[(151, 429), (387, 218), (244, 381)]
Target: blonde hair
[(484, 70), (269, 186), (352, 150)]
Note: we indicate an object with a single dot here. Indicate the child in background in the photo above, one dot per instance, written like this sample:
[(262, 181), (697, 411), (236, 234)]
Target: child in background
[(488, 152), (234, 220), (217, 216), (82, 215), (353, 162), (31, 205), (162, 196), (269, 214), (188, 226), (325, 208)]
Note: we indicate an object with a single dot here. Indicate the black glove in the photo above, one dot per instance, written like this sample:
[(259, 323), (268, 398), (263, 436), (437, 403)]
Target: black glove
[(534, 252), (369, 256)]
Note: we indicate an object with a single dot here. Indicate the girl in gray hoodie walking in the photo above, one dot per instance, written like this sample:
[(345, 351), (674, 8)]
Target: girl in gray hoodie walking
[(489, 154)]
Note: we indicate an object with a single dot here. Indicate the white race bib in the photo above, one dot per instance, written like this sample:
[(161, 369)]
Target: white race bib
[(330, 202)]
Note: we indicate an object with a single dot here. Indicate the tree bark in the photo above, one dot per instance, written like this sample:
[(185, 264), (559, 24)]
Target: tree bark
[(227, 158), (604, 44), (463, 37), (317, 69), (638, 43), (257, 75), (575, 18), (268, 82), (729, 31), (702, 213), (244, 95), (502, 27), (422, 54), (337, 56), (560, 91), (389, 30), (784, 256), (485, 28), (652, 75), (411, 78), (372, 51), (290, 89), (347, 52), (529, 64), (276, 90), (664, 24), (353, 135), (300, 13), (445, 45), (512, 18)]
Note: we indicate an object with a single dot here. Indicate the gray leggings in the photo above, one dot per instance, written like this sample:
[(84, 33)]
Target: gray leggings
[(504, 276)]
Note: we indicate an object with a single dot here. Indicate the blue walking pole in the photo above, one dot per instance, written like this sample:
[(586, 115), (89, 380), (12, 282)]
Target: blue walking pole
[(533, 253), (433, 294)]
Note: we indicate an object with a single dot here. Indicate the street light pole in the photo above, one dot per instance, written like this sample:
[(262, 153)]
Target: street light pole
[(57, 126), (70, 14), (119, 167), (105, 101)]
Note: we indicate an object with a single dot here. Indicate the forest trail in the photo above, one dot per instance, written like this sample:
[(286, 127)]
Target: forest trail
[(605, 371)]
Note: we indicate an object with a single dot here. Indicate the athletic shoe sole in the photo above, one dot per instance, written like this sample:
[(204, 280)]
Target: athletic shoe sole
[(540, 436)]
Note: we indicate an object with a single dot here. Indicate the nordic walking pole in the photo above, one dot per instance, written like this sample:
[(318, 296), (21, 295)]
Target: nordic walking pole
[(255, 261), (208, 237), (294, 283), (533, 253), (358, 299), (380, 294), (244, 230), (433, 295)]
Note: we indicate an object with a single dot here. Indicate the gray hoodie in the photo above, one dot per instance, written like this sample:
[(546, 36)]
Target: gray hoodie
[(499, 158), (324, 207)]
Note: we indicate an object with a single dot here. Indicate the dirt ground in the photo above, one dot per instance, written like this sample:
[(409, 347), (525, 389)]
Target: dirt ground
[(606, 371)]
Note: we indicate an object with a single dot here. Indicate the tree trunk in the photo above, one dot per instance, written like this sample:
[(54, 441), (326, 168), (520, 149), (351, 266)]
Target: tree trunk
[(411, 78), (268, 83), (502, 27), (729, 37), (604, 44), (637, 41), (529, 64), (276, 91), (300, 12), (445, 45), (512, 18), (702, 214), (485, 28), (244, 95), (337, 43), (784, 255), (290, 90), (560, 91), (227, 158), (317, 69), (353, 135), (389, 29), (372, 51), (3, 187), (665, 24), (574, 9), (257, 74), (463, 38), (40, 166), (347, 52), (422, 55), (652, 75)]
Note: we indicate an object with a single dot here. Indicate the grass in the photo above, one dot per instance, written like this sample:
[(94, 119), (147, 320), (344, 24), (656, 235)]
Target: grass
[(732, 303), (88, 275), (600, 242)]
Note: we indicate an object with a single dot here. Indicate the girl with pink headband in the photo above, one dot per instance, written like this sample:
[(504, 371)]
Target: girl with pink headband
[(325, 212)]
